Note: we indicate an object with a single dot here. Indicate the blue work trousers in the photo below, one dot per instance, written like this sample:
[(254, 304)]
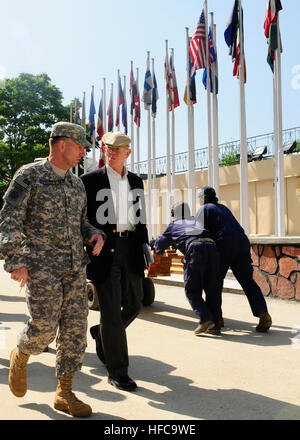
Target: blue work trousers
[(201, 272)]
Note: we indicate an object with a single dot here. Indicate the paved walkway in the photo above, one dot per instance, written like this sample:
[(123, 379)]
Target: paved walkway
[(241, 375)]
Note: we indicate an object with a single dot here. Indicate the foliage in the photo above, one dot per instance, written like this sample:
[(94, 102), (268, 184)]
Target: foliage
[(29, 106), (229, 159)]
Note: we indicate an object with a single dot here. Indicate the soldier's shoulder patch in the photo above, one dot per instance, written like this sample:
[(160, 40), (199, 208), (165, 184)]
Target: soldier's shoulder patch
[(17, 190)]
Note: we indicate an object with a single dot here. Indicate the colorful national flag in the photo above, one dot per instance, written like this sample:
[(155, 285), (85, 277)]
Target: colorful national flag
[(110, 115), (232, 39), (148, 86), (155, 96), (92, 115), (213, 51), (270, 26), (120, 101), (273, 7), (102, 156), (100, 129), (132, 90), (197, 47), (124, 111), (137, 106), (173, 85), (192, 74), (167, 73)]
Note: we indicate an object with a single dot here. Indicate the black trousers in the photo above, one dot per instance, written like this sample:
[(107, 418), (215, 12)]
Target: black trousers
[(236, 255), (201, 272), (120, 300)]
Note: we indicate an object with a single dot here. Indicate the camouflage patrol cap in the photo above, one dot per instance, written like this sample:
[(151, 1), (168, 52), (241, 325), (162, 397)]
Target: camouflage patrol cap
[(116, 139), (73, 131)]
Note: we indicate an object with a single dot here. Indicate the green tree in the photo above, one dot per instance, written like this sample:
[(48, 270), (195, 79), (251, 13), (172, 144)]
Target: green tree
[(29, 106)]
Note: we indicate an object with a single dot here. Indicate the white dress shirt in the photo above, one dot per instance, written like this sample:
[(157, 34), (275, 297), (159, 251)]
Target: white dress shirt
[(122, 199)]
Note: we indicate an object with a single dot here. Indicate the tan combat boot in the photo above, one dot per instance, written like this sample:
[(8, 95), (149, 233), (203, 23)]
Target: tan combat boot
[(65, 400), (17, 378)]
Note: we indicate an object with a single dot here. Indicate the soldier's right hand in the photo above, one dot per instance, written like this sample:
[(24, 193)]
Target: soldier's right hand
[(21, 275)]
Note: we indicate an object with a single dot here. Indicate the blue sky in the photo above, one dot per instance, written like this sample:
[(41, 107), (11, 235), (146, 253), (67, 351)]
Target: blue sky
[(79, 43)]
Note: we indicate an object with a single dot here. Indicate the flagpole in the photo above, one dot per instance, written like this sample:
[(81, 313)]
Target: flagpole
[(173, 137), (279, 160), (76, 167), (131, 124), (168, 201), (191, 153), (149, 161), (125, 103), (118, 107), (93, 136), (84, 126), (208, 100), (104, 105), (215, 111), (154, 168), (244, 210), (138, 126)]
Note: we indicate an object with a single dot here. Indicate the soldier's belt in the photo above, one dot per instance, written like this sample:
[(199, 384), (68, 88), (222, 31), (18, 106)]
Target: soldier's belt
[(124, 234)]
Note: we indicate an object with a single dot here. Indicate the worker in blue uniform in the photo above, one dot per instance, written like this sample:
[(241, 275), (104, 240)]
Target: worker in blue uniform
[(234, 248), (201, 265)]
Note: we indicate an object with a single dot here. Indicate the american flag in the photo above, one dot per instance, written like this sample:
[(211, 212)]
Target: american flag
[(197, 47)]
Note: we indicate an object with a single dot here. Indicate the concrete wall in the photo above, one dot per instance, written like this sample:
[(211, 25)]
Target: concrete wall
[(261, 194)]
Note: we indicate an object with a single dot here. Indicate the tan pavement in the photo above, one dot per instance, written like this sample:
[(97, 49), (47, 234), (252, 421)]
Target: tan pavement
[(240, 375)]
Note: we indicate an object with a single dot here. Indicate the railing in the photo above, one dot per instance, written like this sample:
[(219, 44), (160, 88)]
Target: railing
[(201, 155)]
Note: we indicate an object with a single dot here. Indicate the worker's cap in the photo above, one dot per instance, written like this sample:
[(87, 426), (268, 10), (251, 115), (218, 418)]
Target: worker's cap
[(116, 139), (207, 191), (73, 131)]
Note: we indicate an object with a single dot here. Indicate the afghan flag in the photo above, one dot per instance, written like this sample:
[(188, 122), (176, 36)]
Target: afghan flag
[(270, 26)]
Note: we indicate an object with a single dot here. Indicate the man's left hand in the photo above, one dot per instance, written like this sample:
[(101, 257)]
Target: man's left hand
[(99, 243)]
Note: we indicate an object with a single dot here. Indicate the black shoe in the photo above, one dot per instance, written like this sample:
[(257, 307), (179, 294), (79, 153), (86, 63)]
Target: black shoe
[(122, 382), (94, 331)]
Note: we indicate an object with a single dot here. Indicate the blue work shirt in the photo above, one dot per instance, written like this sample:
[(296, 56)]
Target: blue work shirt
[(179, 233), (221, 223)]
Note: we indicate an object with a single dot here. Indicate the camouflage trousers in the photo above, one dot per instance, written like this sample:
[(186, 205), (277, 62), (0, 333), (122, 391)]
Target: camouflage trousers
[(57, 304)]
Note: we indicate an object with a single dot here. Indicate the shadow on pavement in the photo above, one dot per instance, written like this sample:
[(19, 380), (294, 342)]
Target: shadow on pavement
[(183, 398), (234, 330)]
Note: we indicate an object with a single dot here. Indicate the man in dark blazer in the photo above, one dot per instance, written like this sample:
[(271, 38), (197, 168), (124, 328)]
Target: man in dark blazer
[(115, 200)]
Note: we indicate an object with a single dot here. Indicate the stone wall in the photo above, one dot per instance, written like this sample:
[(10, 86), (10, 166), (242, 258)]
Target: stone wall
[(277, 267)]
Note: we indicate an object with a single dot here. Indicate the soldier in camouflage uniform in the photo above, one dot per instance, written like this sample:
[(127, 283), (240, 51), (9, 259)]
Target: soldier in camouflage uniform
[(43, 230)]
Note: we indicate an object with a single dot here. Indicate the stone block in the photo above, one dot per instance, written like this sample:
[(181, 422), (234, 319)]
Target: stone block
[(292, 251), (288, 265), (254, 255), (285, 289), (298, 287), (268, 261), (261, 280)]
